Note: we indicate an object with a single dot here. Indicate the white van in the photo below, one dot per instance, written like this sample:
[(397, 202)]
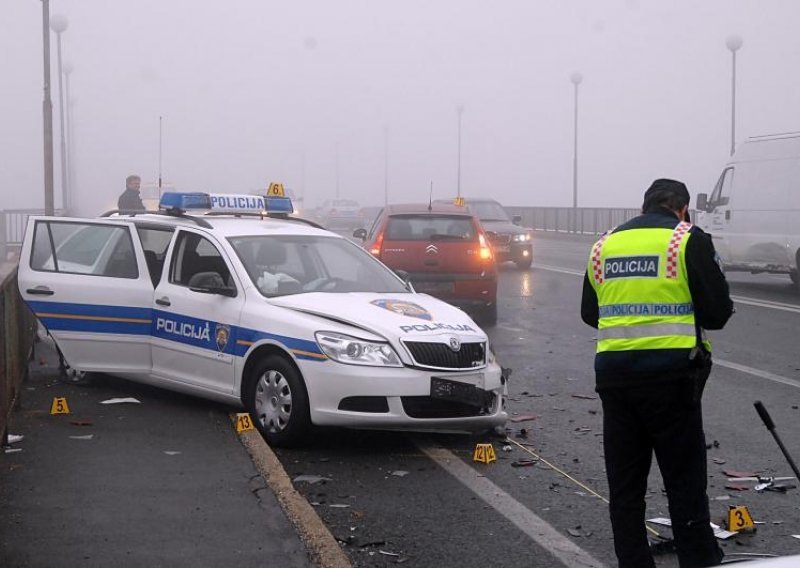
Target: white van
[(752, 213)]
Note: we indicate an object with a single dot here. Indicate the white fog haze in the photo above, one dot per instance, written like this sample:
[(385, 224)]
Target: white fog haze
[(308, 92)]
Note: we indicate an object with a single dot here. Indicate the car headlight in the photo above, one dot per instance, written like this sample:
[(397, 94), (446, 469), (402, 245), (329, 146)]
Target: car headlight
[(521, 238), (354, 351)]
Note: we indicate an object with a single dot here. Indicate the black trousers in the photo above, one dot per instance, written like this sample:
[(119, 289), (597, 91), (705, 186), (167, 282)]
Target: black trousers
[(660, 418)]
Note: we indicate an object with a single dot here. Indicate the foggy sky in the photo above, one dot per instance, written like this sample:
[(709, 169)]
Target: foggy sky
[(253, 91)]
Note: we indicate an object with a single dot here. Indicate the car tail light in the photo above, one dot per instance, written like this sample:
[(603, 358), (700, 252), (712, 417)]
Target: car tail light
[(376, 247), (486, 251)]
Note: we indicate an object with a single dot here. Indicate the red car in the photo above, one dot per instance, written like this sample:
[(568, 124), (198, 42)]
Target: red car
[(444, 251)]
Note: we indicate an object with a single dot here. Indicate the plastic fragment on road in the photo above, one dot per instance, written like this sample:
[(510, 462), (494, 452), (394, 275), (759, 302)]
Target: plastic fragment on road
[(171, 452), (128, 400), (339, 506), (14, 438), (387, 553), (585, 396), (525, 418), (719, 532), (739, 474), (85, 437), (399, 473), (13, 450), (311, 479), (524, 462)]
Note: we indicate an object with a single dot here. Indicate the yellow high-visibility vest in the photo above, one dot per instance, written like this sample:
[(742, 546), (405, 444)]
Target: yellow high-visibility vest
[(642, 287)]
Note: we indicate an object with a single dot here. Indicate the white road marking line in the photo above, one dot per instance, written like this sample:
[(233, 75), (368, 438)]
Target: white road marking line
[(737, 299), (766, 304), (757, 373), (721, 362), (563, 549)]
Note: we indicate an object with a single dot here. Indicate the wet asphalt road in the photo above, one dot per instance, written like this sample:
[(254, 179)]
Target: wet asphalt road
[(426, 517), (389, 502)]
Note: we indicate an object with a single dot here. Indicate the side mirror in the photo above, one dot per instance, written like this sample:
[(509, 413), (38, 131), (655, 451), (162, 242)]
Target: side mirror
[(360, 234), (702, 202), (516, 219), (210, 283)]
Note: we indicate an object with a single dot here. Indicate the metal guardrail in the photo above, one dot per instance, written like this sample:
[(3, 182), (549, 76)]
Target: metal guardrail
[(16, 344), (12, 229), (584, 220)]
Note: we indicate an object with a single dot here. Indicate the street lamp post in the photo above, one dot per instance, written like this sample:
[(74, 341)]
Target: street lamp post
[(576, 79), (59, 24), (68, 68), (47, 113), (733, 43), (459, 111), (385, 165)]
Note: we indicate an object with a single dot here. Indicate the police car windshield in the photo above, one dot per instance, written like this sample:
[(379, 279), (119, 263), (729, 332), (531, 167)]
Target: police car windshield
[(280, 265)]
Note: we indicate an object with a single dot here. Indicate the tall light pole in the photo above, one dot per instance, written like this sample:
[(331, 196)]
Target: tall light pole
[(59, 24), (47, 113), (385, 165), (576, 79), (68, 68), (159, 157), (337, 170), (733, 42), (459, 111)]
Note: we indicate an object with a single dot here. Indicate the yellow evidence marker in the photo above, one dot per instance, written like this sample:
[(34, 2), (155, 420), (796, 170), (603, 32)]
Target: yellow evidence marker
[(276, 190), (739, 519), (459, 201), (59, 406), (243, 422), (484, 453)]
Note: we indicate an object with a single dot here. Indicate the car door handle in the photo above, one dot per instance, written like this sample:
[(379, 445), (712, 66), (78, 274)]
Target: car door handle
[(40, 291), (163, 301)]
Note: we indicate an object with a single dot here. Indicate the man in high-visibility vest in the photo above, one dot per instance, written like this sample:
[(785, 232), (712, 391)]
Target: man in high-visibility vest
[(652, 286)]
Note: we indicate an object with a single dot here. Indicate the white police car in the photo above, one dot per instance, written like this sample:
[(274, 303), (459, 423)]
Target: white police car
[(297, 324)]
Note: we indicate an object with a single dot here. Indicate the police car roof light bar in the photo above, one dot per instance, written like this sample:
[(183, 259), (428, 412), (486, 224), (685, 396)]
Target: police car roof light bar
[(172, 201)]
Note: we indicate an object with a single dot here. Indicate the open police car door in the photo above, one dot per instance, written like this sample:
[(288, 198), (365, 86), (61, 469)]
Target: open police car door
[(87, 282)]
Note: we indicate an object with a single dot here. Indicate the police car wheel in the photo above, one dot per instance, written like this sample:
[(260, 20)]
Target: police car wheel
[(277, 400)]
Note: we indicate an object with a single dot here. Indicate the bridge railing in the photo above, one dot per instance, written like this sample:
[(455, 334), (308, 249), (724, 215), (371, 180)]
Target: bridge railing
[(16, 343), (585, 220), (12, 230)]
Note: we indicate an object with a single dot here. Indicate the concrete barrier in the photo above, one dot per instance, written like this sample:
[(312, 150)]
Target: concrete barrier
[(16, 344)]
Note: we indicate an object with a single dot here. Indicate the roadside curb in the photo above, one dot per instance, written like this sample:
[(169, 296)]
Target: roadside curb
[(319, 541)]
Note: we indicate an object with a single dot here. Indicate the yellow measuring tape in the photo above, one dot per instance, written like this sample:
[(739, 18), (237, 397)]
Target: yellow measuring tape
[(568, 476)]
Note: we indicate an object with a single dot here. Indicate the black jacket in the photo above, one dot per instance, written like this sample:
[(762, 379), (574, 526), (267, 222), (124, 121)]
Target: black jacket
[(130, 200), (710, 297)]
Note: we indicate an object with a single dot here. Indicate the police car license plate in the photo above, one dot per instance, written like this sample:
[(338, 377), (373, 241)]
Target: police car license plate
[(468, 389)]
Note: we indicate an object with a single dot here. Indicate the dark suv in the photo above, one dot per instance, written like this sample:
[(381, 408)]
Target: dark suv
[(444, 251), (509, 240)]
